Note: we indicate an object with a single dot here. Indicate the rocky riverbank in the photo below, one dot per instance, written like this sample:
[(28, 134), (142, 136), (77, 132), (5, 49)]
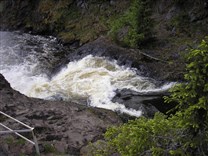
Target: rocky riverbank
[(60, 127), (67, 127)]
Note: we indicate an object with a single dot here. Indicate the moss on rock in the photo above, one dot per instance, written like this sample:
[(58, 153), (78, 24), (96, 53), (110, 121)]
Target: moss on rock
[(78, 20)]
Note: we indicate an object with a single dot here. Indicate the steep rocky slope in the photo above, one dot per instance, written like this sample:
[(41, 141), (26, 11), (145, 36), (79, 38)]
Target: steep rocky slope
[(60, 127)]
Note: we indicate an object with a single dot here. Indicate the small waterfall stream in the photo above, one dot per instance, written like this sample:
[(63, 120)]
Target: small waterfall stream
[(26, 61)]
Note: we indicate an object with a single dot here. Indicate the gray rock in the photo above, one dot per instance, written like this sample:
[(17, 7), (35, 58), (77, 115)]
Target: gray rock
[(148, 103), (56, 123)]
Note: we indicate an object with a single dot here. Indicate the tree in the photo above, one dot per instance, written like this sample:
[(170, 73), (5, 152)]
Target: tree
[(192, 98), (137, 24), (182, 133)]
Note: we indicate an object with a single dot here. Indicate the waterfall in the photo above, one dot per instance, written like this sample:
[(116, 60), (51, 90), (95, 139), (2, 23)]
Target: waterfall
[(25, 60)]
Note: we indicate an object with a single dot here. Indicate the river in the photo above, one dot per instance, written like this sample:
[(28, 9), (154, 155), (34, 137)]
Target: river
[(27, 60)]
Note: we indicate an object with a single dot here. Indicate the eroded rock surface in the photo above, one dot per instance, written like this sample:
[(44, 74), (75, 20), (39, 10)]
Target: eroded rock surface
[(60, 127)]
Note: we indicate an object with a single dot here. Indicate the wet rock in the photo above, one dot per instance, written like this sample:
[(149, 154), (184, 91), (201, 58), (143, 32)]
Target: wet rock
[(145, 65), (148, 103), (103, 47), (4, 84), (132, 99)]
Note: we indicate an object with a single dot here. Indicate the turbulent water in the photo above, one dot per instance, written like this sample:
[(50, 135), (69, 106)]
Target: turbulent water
[(26, 60)]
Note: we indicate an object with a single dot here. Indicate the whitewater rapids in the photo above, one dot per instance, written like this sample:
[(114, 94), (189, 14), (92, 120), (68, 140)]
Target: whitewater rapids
[(94, 79)]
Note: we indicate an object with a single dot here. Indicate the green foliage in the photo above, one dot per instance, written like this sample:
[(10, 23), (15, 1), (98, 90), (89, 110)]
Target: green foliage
[(2, 118), (10, 140), (48, 148), (157, 137), (134, 26), (56, 13), (184, 133), (192, 97)]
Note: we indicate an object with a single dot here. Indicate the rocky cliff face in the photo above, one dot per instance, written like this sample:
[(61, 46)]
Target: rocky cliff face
[(71, 20), (179, 25)]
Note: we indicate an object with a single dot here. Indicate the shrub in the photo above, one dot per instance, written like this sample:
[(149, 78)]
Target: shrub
[(135, 23), (192, 98), (144, 136), (183, 133)]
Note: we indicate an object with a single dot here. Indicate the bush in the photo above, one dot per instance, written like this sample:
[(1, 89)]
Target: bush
[(192, 98), (136, 23), (183, 133), (144, 136)]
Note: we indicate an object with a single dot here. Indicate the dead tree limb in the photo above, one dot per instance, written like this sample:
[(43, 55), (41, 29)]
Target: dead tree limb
[(148, 56)]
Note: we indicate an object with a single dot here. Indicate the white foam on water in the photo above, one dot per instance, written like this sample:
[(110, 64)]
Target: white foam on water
[(92, 78), (19, 61), (96, 79)]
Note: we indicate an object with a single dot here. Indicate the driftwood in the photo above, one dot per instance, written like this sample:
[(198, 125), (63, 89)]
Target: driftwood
[(148, 56)]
